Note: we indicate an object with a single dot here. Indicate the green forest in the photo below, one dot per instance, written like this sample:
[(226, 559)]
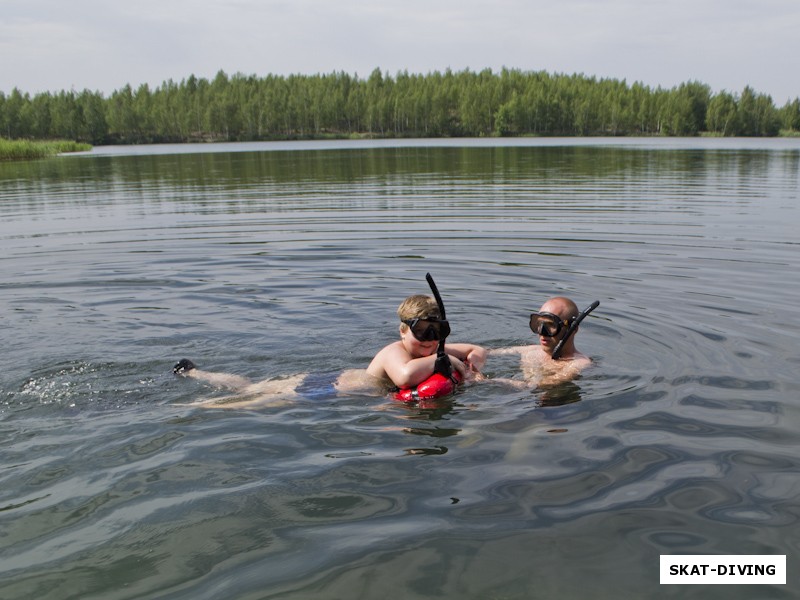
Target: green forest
[(438, 104)]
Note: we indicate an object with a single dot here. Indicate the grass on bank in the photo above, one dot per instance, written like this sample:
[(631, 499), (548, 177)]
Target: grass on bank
[(28, 149)]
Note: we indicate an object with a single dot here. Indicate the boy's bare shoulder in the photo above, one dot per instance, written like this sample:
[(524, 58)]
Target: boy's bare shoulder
[(389, 350), (377, 368)]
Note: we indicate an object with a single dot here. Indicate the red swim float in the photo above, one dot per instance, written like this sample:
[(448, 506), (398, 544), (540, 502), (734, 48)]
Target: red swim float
[(435, 386)]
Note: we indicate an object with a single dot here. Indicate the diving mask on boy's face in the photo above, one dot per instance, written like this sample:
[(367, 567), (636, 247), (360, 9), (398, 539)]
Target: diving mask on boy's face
[(428, 330), (547, 324)]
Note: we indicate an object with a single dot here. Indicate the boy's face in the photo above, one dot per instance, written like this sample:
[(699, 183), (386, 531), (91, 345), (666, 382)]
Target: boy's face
[(413, 346)]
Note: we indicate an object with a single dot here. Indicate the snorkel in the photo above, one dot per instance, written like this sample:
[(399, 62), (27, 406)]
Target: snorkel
[(573, 326), (442, 364)]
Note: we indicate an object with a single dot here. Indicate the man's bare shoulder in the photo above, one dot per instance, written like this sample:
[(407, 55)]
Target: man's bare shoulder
[(581, 361)]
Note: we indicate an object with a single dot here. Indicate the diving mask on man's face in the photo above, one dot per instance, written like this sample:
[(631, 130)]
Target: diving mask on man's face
[(547, 324), (428, 330)]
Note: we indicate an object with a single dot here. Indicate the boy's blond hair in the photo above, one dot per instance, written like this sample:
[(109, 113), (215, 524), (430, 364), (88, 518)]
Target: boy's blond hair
[(418, 306)]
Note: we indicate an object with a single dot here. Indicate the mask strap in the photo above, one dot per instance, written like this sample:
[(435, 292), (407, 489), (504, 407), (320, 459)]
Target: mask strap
[(572, 327)]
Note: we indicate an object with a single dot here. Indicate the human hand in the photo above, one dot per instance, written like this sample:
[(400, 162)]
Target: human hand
[(473, 376), (476, 359), (459, 366)]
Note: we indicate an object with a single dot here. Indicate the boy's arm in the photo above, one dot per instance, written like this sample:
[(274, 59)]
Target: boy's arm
[(395, 363)]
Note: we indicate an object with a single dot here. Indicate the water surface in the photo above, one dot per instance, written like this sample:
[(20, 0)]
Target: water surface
[(268, 260)]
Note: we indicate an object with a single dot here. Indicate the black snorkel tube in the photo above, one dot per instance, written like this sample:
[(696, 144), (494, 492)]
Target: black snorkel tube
[(443, 366), (572, 327)]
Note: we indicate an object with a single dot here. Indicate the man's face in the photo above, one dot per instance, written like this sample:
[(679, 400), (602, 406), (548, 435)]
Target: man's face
[(549, 343)]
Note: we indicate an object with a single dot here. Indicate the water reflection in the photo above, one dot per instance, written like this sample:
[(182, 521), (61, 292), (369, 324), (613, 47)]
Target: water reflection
[(559, 395), (245, 182), (434, 432)]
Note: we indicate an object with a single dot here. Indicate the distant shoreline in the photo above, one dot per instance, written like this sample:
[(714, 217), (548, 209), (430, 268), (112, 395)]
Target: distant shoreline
[(509, 103)]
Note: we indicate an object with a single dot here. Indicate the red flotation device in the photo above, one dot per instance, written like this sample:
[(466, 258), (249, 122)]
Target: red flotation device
[(435, 386)]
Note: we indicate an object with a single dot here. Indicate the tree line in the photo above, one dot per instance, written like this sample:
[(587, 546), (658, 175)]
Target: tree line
[(438, 104)]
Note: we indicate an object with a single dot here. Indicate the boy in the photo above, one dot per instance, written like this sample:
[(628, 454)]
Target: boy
[(403, 363)]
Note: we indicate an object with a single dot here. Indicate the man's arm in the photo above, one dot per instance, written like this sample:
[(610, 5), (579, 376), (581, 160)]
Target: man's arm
[(508, 350), (474, 356)]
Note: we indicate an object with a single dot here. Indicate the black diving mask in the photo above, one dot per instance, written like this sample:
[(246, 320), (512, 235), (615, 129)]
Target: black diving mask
[(428, 330), (547, 324)]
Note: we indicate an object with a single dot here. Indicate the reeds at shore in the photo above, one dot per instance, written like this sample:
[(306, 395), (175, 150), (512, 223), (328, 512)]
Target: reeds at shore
[(29, 149)]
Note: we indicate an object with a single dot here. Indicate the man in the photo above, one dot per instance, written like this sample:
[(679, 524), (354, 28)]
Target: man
[(541, 366)]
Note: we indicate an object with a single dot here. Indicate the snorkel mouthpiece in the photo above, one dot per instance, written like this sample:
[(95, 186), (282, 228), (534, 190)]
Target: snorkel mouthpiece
[(572, 327)]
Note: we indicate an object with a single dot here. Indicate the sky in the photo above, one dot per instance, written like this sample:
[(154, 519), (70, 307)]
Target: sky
[(102, 45)]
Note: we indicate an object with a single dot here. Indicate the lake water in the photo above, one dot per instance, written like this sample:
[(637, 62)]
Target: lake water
[(268, 260)]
